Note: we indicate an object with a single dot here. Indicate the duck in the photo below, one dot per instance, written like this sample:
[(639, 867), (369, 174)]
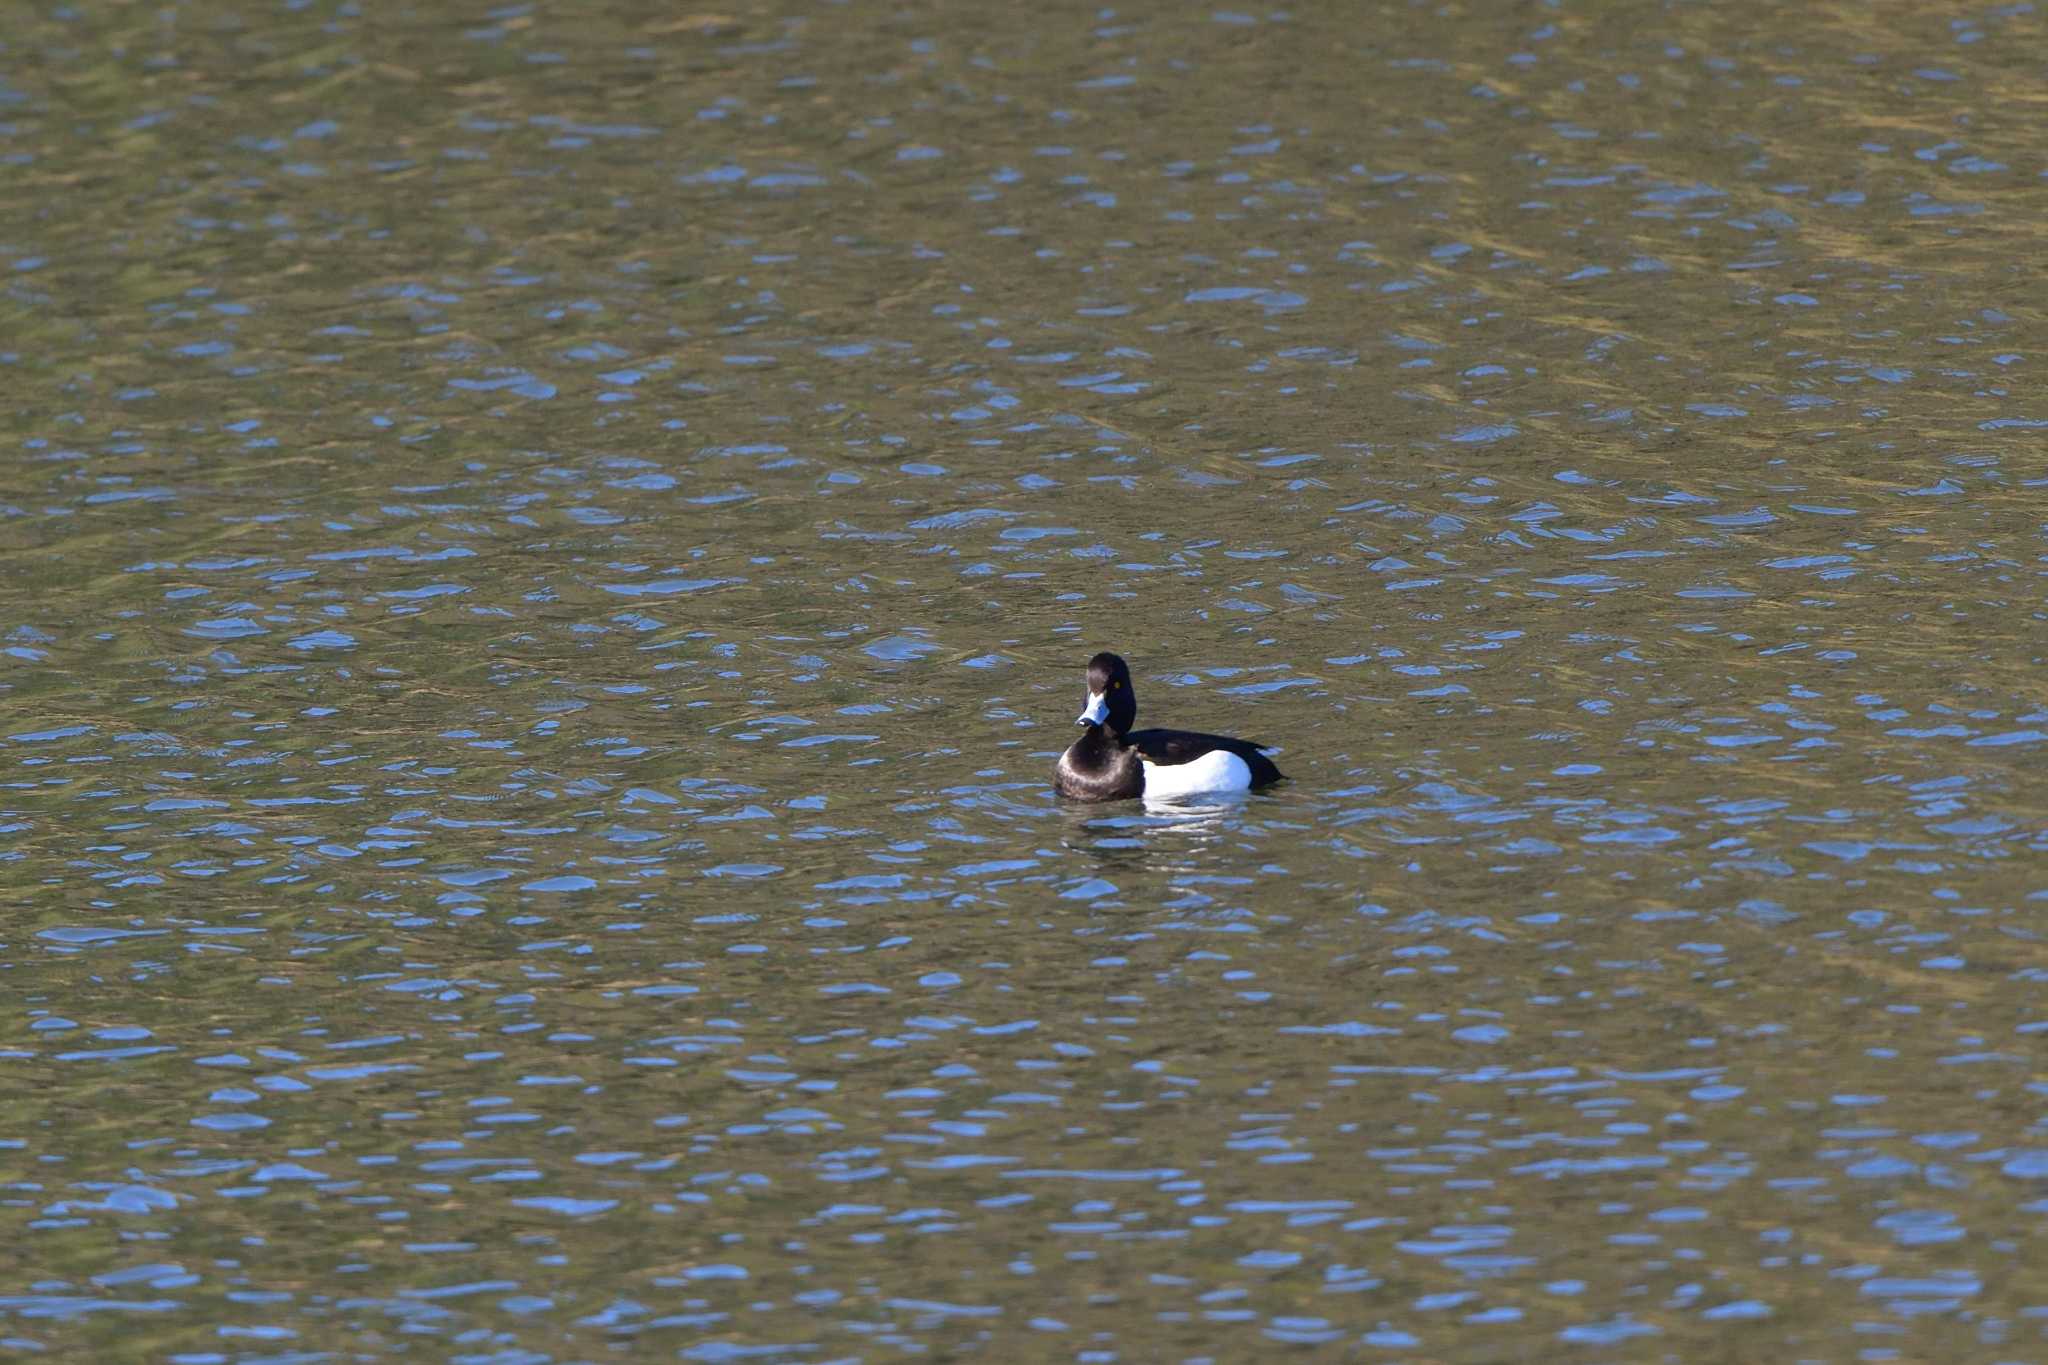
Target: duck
[(1113, 762)]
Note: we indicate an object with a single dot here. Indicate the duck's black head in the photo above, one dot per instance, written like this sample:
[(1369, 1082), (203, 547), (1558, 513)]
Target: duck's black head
[(1111, 702)]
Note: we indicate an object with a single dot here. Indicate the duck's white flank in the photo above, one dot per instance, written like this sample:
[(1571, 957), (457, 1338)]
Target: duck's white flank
[(1219, 770)]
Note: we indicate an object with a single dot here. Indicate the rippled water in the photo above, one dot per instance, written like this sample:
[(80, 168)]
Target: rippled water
[(546, 556)]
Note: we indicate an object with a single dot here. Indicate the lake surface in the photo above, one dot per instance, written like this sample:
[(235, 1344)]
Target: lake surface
[(546, 557)]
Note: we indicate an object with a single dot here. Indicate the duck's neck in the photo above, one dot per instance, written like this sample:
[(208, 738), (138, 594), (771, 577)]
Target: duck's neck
[(1108, 735)]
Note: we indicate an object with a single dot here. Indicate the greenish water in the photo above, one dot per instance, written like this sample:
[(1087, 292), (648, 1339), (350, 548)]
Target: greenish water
[(546, 556)]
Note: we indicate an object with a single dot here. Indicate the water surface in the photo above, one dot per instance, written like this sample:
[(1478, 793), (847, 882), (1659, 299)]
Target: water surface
[(546, 556)]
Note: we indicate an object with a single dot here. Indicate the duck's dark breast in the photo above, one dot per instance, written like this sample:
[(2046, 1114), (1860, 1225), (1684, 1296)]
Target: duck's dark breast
[(1094, 770)]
